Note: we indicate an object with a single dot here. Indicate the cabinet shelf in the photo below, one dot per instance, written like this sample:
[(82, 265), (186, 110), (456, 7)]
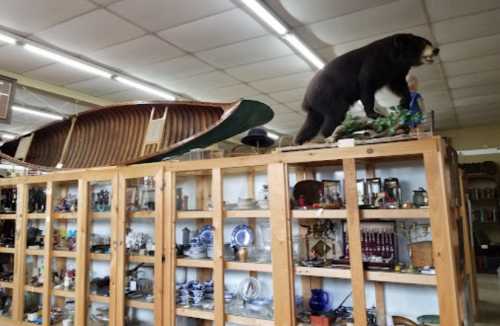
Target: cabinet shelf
[(252, 267), (374, 276), (195, 313), (6, 250), (141, 214), (35, 252), (255, 213), (366, 214), (34, 289), (63, 293), (8, 216), (64, 254), (7, 285), (100, 215), (102, 257), (138, 304), (319, 213), (65, 215), (141, 259), (99, 298), (240, 320), (195, 263), (187, 215), (394, 214), (37, 216)]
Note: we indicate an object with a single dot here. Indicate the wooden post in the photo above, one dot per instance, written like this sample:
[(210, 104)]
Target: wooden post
[(81, 278), (20, 264), (282, 261), (380, 303), (218, 224), (114, 267), (470, 255), (47, 264), (119, 249), (443, 238), (158, 236), (355, 251), (169, 218)]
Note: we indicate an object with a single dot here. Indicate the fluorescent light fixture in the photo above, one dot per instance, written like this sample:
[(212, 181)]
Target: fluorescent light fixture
[(266, 16), (145, 88), (67, 61), (479, 151), (7, 39), (272, 135), (47, 115), (7, 136), (305, 51)]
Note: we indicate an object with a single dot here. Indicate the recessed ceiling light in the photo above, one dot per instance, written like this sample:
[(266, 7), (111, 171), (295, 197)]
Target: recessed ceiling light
[(266, 16), (304, 50), (67, 61), (7, 39), (145, 88), (48, 115)]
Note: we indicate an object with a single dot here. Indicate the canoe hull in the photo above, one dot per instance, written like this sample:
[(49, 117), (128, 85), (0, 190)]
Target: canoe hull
[(116, 135)]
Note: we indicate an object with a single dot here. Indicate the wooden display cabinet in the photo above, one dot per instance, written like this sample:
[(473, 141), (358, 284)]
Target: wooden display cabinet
[(144, 199)]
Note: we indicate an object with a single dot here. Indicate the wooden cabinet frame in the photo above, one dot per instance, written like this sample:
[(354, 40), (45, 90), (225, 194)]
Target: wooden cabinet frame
[(443, 214)]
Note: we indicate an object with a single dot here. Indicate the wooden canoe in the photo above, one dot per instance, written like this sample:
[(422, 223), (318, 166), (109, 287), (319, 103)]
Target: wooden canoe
[(118, 135)]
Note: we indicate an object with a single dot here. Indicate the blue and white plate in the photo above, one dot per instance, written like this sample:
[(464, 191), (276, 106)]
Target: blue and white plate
[(207, 234), (242, 236)]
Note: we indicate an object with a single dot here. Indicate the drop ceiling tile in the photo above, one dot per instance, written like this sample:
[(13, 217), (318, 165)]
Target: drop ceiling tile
[(18, 60), (59, 74), (226, 94), (105, 2), (432, 86), (287, 96), (269, 69), (141, 51), (157, 15), (446, 9), (475, 79), (98, 86), (422, 30), (246, 52), (131, 95), (470, 48), (467, 27), (307, 13), (472, 65), (167, 71), (281, 109), (215, 79), (265, 99), (458, 93), (478, 100), (438, 101), (363, 24), (214, 31), (296, 106), (475, 110), (327, 54), (28, 16), (283, 83), (90, 32), (427, 72)]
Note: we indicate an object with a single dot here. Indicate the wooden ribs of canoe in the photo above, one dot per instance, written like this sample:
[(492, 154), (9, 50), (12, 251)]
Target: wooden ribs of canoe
[(117, 135)]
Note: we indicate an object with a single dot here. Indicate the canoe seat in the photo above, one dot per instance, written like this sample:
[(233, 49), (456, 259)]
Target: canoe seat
[(154, 132)]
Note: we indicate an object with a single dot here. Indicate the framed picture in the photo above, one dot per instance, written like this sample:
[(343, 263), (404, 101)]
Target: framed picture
[(7, 90), (332, 189)]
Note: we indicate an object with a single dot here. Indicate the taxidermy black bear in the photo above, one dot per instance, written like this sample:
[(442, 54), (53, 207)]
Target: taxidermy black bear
[(358, 75)]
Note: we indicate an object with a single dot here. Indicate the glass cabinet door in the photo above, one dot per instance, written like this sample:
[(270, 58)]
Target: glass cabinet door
[(140, 234), (102, 217)]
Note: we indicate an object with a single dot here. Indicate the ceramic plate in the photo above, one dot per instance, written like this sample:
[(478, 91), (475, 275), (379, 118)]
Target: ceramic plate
[(242, 236), (207, 234)]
